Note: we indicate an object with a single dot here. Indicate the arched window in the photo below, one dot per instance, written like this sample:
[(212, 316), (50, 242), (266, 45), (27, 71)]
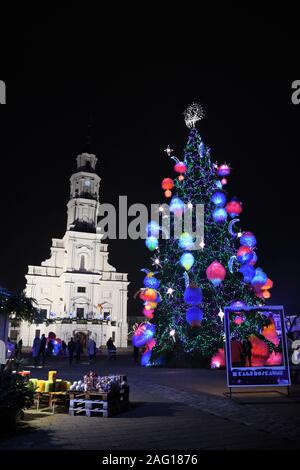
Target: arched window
[(82, 263)]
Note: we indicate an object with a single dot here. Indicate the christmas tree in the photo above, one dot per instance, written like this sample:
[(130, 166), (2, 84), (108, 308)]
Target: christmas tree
[(185, 293)]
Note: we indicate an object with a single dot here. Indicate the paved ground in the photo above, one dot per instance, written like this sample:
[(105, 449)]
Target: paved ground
[(170, 409)]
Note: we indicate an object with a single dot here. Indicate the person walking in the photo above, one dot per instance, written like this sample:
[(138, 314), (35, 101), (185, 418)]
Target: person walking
[(78, 350), (71, 349), (111, 349), (91, 348), (42, 351), (64, 348), (36, 350)]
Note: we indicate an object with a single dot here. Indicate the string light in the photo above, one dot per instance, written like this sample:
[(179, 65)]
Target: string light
[(168, 150), (202, 244), (170, 291), (221, 314)]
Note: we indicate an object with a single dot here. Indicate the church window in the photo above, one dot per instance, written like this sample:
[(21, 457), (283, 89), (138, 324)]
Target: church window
[(81, 289), (80, 313), (82, 263)]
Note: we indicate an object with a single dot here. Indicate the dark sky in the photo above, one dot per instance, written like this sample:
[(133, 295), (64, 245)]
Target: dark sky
[(137, 85)]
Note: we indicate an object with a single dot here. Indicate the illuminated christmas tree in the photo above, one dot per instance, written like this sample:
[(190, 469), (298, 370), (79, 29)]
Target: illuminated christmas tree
[(188, 286)]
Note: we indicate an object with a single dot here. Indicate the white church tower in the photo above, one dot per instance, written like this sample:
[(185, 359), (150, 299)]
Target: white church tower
[(76, 287)]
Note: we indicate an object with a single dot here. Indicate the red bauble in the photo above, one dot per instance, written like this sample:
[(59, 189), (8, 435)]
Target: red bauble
[(148, 294), (233, 208), (180, 167), (216, 273), (167, 183)]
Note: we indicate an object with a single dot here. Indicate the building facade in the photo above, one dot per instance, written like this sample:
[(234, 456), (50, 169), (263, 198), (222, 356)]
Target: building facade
[(76, 289)]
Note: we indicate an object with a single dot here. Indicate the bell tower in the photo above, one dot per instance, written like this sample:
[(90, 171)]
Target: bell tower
[(83, 205)]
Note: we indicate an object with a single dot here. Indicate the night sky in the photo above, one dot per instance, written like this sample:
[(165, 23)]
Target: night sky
[(136, 86)]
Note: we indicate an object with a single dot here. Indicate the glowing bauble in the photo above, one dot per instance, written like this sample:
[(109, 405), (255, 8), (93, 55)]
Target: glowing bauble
[(239, 319), (266, 294), (253, 260), (244, 254), (151, 243), (223, 181), (148, 295), (176, 206), (247, 271), (268, 285), (151, 281), (234, 208), (187, 260), (237, 304), (248, 239), (148, 313), (193, 295), (223, 170), (145, 359), (153, 229), (186, 241), (167, 183), (194, 316), (215, 273), (143, 333), (219, 215), (259, 279), (218, 199), (180, 167), (180, 178), (149, 305), (168, 193)]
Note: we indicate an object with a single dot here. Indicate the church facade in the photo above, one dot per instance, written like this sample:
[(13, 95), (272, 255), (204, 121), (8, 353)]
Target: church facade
[(77, 291)]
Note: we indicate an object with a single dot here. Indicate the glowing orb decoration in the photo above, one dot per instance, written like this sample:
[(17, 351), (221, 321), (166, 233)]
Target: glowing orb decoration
[(180, 178), (216, 273), (168, 193), (148, 313), (192, 114), (151, 243), (248, 272), (234, 208), (143, 333), (187, 260), (223, 181), (244, 254), (153, 229), (218, 359), (237, 304), (248, 239), (151, 281), (176, 206), (180, 167), (253, 260), (223, 170), (259, 279), (218, 199), (186, 241), (148, 305), (194, 316), (219, 215), (266, 294), (193, 295), (149, 295), (239, 319), (167, 183), (267, 285), (146, 359)]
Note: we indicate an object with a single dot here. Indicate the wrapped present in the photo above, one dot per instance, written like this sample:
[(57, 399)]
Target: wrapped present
[(49, 386), (40, 385), (52, 375)]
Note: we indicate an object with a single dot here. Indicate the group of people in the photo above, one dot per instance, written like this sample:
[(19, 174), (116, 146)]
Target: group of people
[(41, 348), (241, 352)]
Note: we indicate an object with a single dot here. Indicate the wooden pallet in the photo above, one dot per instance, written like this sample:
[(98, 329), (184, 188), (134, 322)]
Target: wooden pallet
[(98, 403)]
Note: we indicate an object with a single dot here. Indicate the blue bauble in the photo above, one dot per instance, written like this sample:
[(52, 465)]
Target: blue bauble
[(259, 279), (176, 205), (219, 215), (143, 334), (219, 199), (248, 239), (186, 241), (151, 282), (194, 316), (153, 229), (151, 243), (145, 359), (248, 271), (237, 304), (193, 295)]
